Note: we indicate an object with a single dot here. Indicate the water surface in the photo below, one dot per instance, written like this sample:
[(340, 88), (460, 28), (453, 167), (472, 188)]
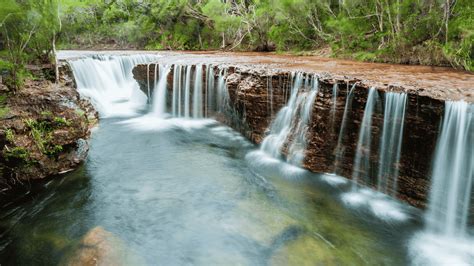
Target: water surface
[(180, 192)]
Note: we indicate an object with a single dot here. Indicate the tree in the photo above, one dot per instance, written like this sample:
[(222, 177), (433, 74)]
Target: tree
[(29, 29)]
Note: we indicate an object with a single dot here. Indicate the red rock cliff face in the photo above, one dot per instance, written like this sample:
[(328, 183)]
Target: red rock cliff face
[(257, 94)]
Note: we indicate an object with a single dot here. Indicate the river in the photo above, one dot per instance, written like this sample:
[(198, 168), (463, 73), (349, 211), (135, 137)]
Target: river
[(179, 191)]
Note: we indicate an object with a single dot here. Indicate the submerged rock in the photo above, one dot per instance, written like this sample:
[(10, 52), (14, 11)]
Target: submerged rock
[(101, 247)]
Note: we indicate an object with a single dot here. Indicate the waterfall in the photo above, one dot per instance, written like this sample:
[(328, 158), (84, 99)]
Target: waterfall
[(281, 126), (391, 142), (298, 146), (175, 105), (155, 79), (210, 106), (298, 110), (334, 101), (187, 91), (108, 82), (453, 170), (339, 147), (362, 156), (159, 95), (148, 81), (194, 95), (197, 92), (448, 238), (222, 93)]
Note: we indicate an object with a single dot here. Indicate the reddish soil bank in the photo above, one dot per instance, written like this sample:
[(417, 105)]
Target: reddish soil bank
[(436, 82)]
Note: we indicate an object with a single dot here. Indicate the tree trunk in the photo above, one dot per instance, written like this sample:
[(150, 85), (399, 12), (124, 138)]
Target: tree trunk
[(446, 23), (56, 63), (223, 41)]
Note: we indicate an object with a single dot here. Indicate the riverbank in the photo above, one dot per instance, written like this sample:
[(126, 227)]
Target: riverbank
[(44, 131)]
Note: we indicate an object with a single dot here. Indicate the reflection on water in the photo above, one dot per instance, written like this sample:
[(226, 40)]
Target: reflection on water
[(179, 192)]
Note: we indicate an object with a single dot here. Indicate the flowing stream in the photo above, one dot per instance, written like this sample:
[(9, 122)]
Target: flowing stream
[(176, 187)]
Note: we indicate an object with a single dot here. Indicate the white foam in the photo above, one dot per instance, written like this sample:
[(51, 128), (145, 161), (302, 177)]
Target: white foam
[(434, 249), (354, 199), (379, 204), (226, 132), (150, 122), (263, 162), (334, 180), (387, 210)]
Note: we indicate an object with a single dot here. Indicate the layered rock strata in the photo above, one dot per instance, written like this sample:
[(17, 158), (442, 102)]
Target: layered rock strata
[(256, 95)]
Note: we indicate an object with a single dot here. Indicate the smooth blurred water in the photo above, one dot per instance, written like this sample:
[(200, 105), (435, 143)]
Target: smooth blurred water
[(189, 192), (183, 191)]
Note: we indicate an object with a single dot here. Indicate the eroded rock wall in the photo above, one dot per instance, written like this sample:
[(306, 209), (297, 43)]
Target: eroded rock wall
[(43, 132), (257, 94)]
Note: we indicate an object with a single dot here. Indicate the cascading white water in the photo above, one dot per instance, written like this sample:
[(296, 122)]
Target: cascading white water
[(222, 93), (109, 83), (159, 95), (188, 89), (378, 203), (197, 92), (210, 100), (391, 142), (449, 237), (362, 156), (155, 78), (339, 147), (148, 91), (187, 92), (453, 171), (281, 126), (176, 103), (305, 103), (298, 108)]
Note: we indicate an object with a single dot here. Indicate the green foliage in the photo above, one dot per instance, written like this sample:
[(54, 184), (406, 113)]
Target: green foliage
[(365, 56), (46, 113), (369, 30), (39, 133), (42, 134), (54, 121), (80, 112), (16, 153), (28, 30), (61, 122), (4, 110), (459, 47), (365, 30), (10, 135), (3, 99)]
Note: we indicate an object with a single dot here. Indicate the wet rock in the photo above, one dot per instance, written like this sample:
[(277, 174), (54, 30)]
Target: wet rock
[(303, 249), (82, 149), (40, 136)]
